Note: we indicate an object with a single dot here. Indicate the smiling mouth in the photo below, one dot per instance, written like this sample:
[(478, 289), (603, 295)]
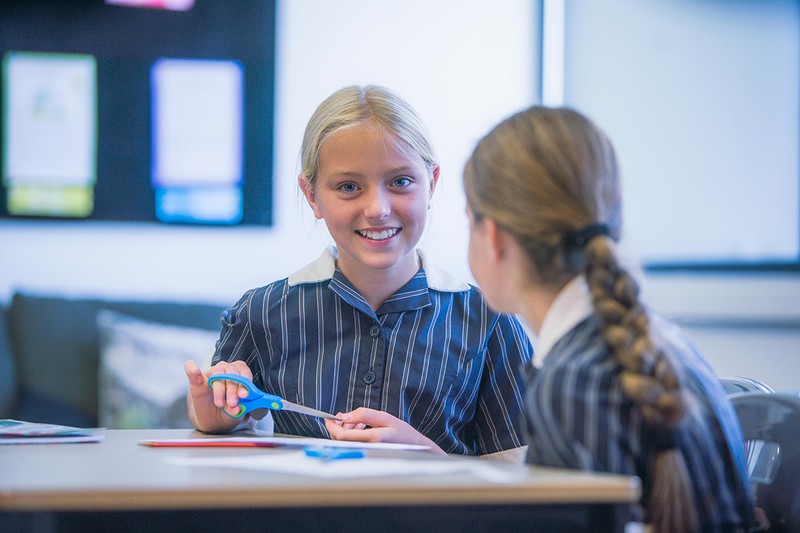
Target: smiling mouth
[(378, 235)]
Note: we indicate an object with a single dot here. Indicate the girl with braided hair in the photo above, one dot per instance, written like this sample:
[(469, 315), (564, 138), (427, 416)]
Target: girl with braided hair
[(620, 389)]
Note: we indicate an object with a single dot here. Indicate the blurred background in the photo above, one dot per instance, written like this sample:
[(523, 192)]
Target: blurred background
[(700, 97)]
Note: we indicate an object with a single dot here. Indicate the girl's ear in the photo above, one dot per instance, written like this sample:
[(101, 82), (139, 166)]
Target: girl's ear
[(311, 196), (434, 181), (432, 186), (495, 240)]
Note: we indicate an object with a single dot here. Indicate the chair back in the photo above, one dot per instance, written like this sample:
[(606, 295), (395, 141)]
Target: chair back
[(773, 421), (743, 384)]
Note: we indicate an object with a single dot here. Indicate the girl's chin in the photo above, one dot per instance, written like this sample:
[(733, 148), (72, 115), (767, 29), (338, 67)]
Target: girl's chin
[(384, 257)]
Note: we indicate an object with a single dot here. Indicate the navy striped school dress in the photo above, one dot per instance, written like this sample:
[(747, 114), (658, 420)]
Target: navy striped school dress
[(432, 355), (577, 416)]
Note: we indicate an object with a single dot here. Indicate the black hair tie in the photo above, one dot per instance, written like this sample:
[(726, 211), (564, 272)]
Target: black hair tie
[(581, 237), (665, 440)]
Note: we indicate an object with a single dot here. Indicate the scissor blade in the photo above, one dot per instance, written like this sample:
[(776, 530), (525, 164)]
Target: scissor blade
[(289, 406)]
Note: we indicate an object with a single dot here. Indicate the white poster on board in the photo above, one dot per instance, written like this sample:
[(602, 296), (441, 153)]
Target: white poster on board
[(51, 120), (197, 123)]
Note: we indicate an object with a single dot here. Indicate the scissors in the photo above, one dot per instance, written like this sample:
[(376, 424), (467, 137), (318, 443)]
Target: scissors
[(258, 399)]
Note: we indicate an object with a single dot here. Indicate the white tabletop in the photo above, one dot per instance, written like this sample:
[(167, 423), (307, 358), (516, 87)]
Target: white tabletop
[(119, 473)]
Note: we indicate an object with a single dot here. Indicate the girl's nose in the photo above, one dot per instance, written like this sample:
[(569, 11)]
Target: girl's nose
[(378, 205)]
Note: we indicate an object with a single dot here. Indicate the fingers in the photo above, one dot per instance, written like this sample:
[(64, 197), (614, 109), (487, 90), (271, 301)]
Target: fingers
[(363, 425), (356, 433), (227, 393), (206, 403), (380, 427), (348, 425), (365, 416), (334, 427)]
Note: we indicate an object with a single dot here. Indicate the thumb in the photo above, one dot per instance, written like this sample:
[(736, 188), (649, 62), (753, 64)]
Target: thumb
[(193, 373)]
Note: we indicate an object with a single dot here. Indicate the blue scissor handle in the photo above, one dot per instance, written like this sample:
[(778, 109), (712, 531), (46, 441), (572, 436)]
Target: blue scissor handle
[(255, 399)]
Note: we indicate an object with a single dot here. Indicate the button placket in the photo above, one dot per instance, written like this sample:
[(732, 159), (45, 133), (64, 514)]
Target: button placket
[(369, 377)]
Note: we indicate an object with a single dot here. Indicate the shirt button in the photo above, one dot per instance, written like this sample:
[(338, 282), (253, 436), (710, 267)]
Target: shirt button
[(369, 378), (374, 331)]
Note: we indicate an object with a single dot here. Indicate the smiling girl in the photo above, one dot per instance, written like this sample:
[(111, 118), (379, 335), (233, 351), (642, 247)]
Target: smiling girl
[(372, 330)]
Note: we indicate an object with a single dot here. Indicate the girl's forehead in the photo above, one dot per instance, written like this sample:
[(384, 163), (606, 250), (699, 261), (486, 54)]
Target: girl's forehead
[(367, 134), (367, 128)]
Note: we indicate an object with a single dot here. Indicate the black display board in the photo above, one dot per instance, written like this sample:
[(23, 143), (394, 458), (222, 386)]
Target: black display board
[(125, 42)]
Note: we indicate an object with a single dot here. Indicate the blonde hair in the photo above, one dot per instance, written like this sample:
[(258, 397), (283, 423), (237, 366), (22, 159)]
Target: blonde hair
[(354, 104), (547, 175)]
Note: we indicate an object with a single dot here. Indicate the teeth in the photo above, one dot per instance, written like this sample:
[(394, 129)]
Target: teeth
[(378, 235)]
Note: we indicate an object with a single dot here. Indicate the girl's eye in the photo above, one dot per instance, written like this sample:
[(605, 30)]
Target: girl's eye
[(401, 182), (348, 187)]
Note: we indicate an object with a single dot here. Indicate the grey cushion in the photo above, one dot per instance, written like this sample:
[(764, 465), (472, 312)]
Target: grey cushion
[(141, 379), (55, 342)]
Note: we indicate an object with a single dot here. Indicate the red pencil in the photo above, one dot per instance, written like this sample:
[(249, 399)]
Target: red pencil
[(209, 443)]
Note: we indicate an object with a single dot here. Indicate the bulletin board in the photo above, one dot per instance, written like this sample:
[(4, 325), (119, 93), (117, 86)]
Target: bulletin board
[(142, 113)]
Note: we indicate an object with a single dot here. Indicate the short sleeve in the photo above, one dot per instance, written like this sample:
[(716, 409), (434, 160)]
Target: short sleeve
[(498, 417), (236, 337)]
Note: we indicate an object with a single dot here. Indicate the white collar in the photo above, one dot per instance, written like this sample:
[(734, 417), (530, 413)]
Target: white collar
[(571, 307), (323, 268)]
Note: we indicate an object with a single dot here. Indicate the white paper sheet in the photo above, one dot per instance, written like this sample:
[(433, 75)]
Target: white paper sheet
[(297, 463)]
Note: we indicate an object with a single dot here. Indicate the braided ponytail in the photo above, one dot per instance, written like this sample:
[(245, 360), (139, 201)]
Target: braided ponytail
[(548, 176), (648, 378)]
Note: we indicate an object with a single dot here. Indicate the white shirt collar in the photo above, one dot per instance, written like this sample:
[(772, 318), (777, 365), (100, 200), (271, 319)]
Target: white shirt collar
[(571, 307), (323, 268), (318, 270)]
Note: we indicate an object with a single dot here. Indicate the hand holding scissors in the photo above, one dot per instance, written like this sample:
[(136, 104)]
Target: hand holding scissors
[(258, 399)]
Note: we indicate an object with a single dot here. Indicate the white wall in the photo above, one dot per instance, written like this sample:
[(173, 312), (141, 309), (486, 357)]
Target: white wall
[(463, 64), (744, 324), (700, 100)]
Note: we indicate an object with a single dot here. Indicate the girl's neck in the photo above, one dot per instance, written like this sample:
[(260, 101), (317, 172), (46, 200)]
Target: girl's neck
[(377, 285), (535, 302)]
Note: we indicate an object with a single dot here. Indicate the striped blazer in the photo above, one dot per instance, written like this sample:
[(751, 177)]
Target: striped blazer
[(577, 417), (433, 355)]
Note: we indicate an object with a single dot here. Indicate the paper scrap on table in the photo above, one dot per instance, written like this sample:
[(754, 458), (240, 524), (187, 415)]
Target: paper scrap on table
[(24, 432), (296, 462)]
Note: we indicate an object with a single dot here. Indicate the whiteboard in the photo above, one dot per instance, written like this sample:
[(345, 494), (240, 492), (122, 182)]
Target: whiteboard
[(701, 101)]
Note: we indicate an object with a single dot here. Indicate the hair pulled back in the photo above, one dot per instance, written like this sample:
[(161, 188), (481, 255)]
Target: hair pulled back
[(355, 104), (549, 177)]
